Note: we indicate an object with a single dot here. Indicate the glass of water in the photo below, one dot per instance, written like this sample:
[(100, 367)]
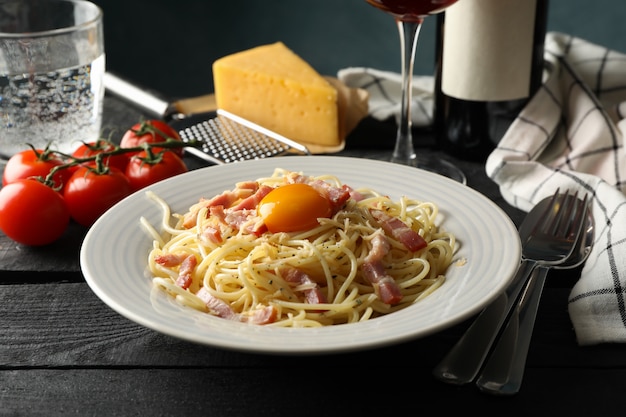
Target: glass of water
[(51, 74)]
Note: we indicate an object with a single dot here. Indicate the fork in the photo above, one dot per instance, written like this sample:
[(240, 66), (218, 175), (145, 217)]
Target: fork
[(504, 370), (542, 245)]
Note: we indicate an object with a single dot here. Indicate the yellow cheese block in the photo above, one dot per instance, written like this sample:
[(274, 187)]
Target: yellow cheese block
[(273, 87)]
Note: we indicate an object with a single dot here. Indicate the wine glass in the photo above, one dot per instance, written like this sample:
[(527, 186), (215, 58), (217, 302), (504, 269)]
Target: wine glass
[(409, 16)]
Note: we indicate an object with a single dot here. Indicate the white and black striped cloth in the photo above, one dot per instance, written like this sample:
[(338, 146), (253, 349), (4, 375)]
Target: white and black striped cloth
[(385, 90), (570, 136)]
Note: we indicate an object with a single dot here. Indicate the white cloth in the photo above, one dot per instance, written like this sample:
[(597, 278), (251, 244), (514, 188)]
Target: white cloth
[(569, 136), (385, 91)]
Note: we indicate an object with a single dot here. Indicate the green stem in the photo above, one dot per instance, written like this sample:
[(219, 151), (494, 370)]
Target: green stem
[(99, 158)]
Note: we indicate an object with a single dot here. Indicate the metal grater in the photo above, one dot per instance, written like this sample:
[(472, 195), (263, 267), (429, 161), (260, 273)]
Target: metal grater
[(229, 138), (226, 137)]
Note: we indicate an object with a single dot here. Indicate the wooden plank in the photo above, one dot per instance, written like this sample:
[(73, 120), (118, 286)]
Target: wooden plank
[(63, 324), (60, 256), (331, 390)]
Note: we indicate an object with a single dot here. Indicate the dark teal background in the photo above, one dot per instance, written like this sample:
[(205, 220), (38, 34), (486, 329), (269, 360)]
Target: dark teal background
[(169, 45)]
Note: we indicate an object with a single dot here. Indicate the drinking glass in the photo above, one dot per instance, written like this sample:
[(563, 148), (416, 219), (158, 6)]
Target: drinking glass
[(51, 74), (409, 16)]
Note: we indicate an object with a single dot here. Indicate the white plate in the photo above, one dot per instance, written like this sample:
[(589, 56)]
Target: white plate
[(114, 258)]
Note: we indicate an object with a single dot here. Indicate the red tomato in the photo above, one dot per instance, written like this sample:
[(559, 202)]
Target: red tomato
[(88, 194), (89, 149), (142, 173), (32, 213), (150, 131), (28, 163)]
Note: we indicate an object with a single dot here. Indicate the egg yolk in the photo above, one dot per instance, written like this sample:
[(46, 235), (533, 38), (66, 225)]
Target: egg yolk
[(293, 207)]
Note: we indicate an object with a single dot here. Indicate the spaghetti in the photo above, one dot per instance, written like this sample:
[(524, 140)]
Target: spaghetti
[(368, 257)]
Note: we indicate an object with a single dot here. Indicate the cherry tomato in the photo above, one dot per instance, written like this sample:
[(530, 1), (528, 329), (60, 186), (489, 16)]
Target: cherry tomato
[(142, 173), (31, 163), (90, 149), (88, 194), (150, 131), (293, 207), (32, 213)]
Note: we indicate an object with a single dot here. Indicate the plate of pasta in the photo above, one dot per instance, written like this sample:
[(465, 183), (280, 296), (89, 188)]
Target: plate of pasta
[(301, 255)]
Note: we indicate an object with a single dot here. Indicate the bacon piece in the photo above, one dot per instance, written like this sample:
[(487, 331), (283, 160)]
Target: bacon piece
[(243, 212), (247, 185), (219, 212), (258, 229), (264, 315), (380, 247), (373, 270), (169, 259), (225, 199), (189, 219), (187, 264), (355, 195), (222, 200), (186, 271), (337, 196), (296, 276), (213, 234), (400, 231), (216, 305), (252, 201), (295, 177), (385, 286), (237, 218)]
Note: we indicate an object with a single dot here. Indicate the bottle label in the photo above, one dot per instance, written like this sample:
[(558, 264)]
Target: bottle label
[(487, 49)]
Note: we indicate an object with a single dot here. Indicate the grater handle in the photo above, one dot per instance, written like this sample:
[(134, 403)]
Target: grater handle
[(143, 99)]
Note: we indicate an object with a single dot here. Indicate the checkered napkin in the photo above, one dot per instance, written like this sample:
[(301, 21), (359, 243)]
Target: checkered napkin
[(385, 90), (569, 136)]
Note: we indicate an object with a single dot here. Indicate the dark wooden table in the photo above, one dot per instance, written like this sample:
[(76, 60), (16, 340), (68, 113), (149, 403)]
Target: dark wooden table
[(63, 352)]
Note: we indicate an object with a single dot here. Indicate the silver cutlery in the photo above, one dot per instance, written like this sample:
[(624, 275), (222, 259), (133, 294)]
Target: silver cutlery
[(542, 244), (504, 370)]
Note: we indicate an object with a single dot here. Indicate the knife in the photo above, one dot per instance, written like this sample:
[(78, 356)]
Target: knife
[(155, 105)]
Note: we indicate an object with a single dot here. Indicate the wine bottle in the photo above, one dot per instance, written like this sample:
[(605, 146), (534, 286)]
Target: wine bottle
[(489, 63)]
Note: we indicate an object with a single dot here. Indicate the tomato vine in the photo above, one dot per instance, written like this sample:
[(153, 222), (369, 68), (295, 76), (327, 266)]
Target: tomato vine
[(42, 188)]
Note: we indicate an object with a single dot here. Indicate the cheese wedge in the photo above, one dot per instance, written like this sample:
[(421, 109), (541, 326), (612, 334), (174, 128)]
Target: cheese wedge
[(273, 87)]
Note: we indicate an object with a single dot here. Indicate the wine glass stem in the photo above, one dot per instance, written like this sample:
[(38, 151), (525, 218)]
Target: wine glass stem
[(404, 152)]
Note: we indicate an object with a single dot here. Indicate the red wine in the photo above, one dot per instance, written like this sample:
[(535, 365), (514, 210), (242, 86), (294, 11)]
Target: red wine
[(411, 9), (470, 127)]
